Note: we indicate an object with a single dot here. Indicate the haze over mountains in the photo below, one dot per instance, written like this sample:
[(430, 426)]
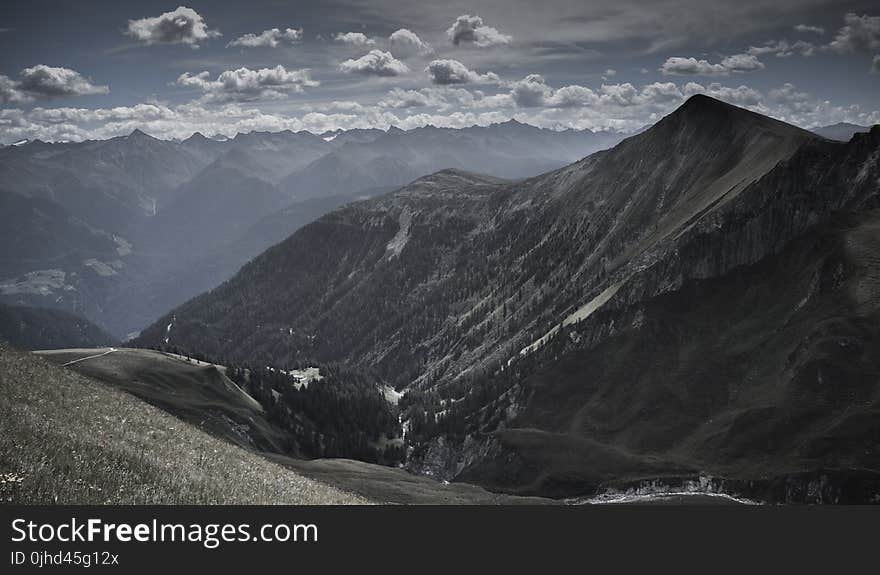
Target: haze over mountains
[(702, 297), (119, 231)]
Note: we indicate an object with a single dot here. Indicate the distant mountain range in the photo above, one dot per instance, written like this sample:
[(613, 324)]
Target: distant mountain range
[(121, 230), (700, 298), (842, 131)]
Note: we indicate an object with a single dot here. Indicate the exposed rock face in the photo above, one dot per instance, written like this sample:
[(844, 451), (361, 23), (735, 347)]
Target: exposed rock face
[(703, 296)]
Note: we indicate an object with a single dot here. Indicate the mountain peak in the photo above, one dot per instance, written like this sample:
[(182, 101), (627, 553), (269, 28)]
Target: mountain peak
[(137, 133), (701, 106), (714, 118)]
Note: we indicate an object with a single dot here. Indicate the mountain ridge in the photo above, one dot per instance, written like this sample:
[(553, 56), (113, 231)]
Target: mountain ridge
[(459, 291)]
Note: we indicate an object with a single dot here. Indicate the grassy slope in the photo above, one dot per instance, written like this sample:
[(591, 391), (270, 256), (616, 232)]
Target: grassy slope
[(65, 438), (196, 392), (200, 395)]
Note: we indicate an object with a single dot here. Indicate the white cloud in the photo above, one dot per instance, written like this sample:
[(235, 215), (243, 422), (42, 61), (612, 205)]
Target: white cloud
[(530, 92), (445, 72), (678, 66), (43, 82), (375, 63), (268, 38), (784, 49), (534, 92), (399, 98), (787, 93), (408, 42), (469, 29), (180, 26), (859, 34), (806, 29), (443, 98), (244, 84), (354, 39)]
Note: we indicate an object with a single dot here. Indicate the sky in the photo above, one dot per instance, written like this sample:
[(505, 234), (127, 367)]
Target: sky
[(95, 69)]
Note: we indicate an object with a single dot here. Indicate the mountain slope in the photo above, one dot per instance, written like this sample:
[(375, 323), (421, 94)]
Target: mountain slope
[(455, 286), (441, 259), (60, 434), (120, 230), (37, 328)]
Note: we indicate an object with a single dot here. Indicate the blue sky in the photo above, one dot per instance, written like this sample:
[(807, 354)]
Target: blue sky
[(96, 69)]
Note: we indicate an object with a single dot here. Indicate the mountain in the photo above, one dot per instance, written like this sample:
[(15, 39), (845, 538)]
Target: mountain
[(394, 158), (701, 298), (842, 131), (122, 230), (36, 328), (111, 184)]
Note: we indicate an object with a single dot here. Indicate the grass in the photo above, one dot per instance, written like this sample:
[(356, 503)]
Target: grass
[(67, 439)]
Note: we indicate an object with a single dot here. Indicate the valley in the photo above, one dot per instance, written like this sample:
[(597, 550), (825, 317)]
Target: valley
[(118, 231)]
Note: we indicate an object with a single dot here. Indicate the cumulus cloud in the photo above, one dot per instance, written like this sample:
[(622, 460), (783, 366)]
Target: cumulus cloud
[(43, 82), (399, 98), (742, 63), (443, 98), (408, 42), (375, 63), (180, 26), (268, 38), (787, 93), (244, 84), (806, 29), (469, 29), (678, 66), (354, 39), (875, 65), (444, 72), (533, 91), (859, 34)]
